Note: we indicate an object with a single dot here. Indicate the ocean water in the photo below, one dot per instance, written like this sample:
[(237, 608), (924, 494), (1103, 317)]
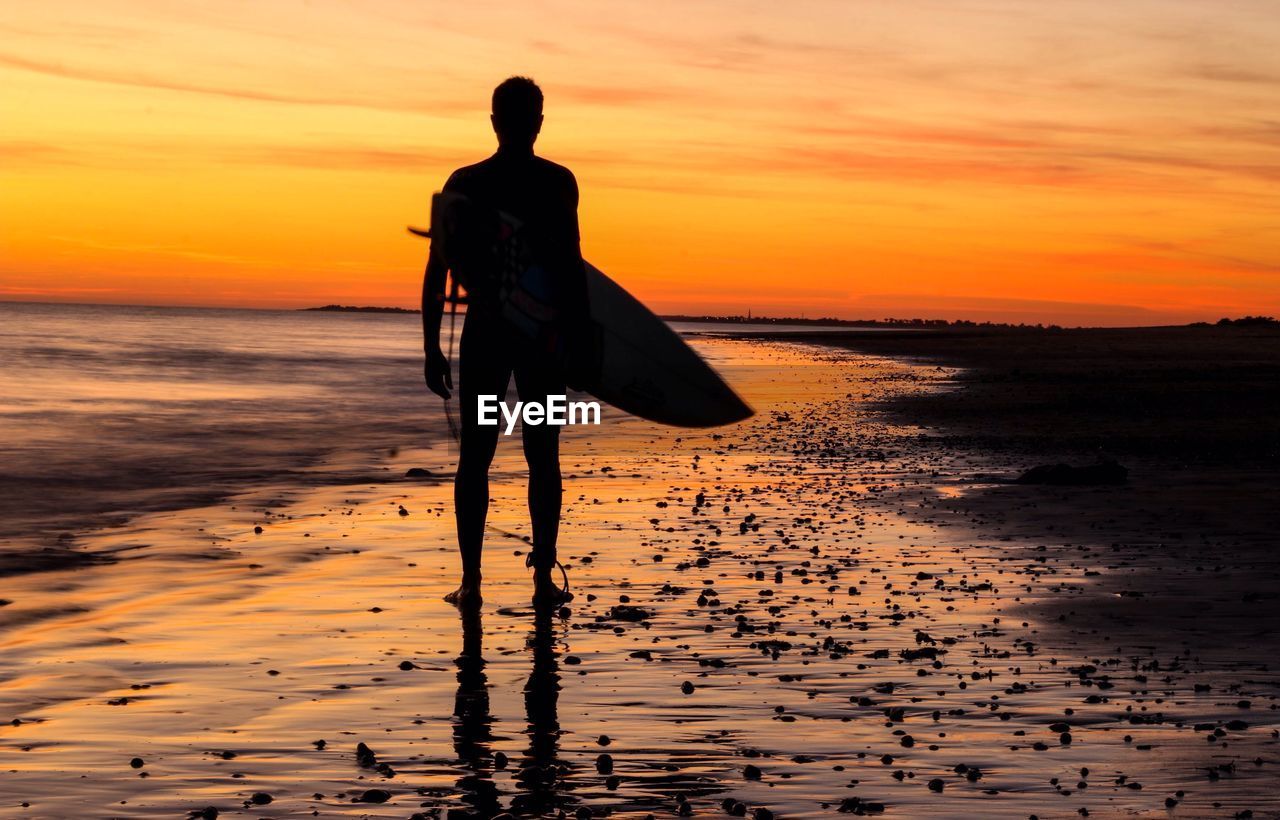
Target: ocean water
[(106, 411), (106, 408)]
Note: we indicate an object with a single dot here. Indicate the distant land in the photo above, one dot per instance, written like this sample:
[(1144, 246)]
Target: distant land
[(1249, 321), (1246, 321), (730, 320), (364, 309)]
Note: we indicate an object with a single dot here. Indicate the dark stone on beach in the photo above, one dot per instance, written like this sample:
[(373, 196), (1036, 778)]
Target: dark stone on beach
[(137, 763), (1065, 475), (405, 666), (375, 796), (937, 785), (365, 757), (260, 799), (858, 806), (687, 688), (418, 472), (631, 614), (751, 772), (258, 530), (207, 813)]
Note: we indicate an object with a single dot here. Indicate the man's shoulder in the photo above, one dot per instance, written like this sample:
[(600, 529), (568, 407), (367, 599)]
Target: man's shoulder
[(555, 170), (480, 176), (467, 173)]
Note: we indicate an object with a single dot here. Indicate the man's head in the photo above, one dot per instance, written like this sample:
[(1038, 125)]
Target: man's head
[(517, 111)]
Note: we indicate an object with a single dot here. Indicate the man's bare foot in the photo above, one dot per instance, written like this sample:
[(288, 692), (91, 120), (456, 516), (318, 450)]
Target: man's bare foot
[(466, 595), (547, 593)]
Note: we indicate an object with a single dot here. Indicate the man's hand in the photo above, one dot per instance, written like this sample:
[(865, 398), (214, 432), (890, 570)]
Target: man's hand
[(436, 372)]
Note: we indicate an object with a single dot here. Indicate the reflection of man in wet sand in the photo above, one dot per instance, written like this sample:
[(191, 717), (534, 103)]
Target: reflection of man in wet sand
[(541, 774), (473, 723), (541, 777), (544, 197)]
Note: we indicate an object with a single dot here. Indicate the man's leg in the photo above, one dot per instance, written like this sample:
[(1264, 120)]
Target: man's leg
[(534, 382), (482, 370)]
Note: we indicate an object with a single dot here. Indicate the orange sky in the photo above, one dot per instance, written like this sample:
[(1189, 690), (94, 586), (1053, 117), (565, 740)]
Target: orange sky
[(1080, 162)]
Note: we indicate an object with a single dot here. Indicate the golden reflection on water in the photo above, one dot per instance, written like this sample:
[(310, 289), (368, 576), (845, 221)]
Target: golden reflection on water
[(801, 618)]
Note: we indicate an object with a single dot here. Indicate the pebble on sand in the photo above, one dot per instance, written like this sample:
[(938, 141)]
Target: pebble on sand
[(374, 796)]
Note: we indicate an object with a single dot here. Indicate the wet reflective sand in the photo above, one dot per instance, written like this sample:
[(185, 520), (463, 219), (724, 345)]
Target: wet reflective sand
[(796, 616)]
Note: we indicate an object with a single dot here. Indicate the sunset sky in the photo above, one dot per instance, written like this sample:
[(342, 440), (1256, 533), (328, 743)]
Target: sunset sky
[(1059, 160)]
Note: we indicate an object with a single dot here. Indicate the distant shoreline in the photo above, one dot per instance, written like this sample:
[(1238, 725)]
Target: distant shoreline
[(780, 321), (888, 323), (359, 309)]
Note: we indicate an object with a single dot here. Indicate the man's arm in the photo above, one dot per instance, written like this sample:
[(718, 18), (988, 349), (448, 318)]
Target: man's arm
[(436, 368)]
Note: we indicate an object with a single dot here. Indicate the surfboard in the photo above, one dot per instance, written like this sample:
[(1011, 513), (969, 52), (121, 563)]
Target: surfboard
[(641, 365)]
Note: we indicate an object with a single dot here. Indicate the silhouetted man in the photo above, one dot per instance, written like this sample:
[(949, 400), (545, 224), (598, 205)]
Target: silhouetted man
[(544, 197)]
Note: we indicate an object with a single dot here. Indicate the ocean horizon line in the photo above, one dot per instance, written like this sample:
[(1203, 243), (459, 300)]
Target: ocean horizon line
[(889, 322)]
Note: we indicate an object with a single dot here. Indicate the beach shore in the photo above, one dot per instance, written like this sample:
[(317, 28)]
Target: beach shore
[(1193, 414), (841, 605)]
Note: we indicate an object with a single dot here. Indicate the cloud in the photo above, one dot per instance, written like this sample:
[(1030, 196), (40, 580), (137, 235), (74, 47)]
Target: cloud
[(153, 153), (343, 157), (618, 94), (1224, 73), (888, 131), (11, 290), (266, 95), (1221, 262), (1264, 171), (150, 249), (28, 153)]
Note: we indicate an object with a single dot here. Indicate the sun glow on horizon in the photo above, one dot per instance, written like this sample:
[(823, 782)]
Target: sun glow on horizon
[(1082, 162)]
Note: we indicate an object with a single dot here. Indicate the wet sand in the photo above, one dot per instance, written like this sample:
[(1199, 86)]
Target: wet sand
[(1188, 544), (821, 610)]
